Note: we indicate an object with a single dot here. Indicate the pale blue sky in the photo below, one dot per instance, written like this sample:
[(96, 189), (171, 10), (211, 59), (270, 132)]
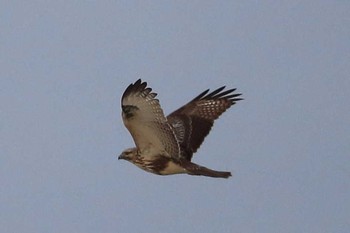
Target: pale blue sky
[(64, 66)]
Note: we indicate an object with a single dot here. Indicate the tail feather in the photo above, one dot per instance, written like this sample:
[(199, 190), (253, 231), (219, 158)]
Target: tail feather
[(196, 170)]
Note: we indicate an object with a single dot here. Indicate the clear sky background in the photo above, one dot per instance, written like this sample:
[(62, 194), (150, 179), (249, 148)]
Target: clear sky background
[(65, 64)]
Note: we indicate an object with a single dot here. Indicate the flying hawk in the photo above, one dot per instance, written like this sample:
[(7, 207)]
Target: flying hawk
[(165, 145)]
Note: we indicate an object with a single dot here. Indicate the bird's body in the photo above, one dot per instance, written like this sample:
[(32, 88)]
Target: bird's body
[(165, 145)]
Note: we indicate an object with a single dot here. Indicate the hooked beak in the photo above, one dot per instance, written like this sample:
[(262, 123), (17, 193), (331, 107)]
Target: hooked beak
[(121, 156)]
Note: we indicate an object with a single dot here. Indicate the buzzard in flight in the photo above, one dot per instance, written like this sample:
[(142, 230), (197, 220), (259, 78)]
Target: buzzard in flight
[(165, 145)]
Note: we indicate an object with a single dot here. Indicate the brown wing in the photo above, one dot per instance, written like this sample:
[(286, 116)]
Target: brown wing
[(144, 118), (193, 121)]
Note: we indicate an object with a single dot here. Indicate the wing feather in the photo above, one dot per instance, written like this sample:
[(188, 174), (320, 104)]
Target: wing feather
[(193, 121), (145, 120)]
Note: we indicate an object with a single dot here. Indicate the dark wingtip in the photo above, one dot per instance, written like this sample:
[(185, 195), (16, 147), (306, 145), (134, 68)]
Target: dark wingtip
[(201, 95), (138, 82), (216, 93), (137, 85), (220, 93)]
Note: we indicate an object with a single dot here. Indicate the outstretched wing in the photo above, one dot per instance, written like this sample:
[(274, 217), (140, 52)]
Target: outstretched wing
[(193, 121), (144, 118)]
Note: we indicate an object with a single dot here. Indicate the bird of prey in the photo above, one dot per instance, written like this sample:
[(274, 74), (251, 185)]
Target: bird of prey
[(165, 145)]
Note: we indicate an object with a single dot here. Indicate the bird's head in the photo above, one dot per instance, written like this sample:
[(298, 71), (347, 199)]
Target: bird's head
[(128, 154)]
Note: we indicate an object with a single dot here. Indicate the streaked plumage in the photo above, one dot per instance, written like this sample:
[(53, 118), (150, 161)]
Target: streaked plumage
[(165, 145)]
